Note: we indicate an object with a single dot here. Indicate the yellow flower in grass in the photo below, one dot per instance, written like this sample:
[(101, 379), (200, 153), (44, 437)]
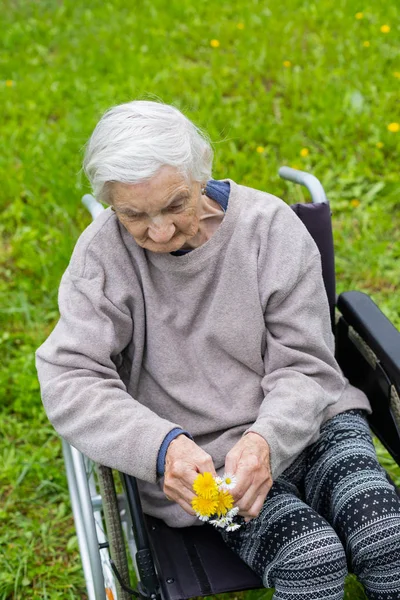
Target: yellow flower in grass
[(394, 127), (354, 203), (287, 63), (240, 25), (379, 145), (260, 149), (359, 15), (9, 83), (385, 28), (366, 44), (204, 507), (214, 43), (224, 503), (397, 74), (304, 152), (205, 486)]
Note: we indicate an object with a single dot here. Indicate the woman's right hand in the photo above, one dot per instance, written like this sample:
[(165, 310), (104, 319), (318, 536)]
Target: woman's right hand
[(183, 462)]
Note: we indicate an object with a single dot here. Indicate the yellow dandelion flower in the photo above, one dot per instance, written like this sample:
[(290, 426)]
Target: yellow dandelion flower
[(397, 74), (394, 127), (214, 43), (385, 28), (354, 203), (379, 145), (240, 25), (205, 486), (9, 83), (260, 149), (287, 63), (204, 507), (304, 152), (359, 15), (366, 44), (224, 503)]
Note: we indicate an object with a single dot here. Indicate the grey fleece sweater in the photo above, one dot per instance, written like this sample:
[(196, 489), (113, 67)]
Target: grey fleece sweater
[(232, 337)]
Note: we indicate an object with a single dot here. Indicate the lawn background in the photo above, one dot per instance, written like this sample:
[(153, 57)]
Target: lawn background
[(314, 85)]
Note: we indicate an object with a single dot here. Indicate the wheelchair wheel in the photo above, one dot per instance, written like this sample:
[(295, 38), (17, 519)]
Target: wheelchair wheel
[(99, 516)]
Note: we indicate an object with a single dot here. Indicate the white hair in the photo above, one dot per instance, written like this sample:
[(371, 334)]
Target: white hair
[(132, 141)]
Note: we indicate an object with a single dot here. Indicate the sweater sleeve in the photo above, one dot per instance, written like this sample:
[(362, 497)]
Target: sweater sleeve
[(82, 392), (162, 453), (302, 377)]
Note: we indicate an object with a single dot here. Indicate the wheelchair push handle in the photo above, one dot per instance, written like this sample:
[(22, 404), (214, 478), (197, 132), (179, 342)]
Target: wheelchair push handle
[(309, 181), (94, 207)]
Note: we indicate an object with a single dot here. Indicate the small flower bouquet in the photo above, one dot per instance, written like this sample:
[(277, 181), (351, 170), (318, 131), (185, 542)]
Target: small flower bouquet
[(213, 502)]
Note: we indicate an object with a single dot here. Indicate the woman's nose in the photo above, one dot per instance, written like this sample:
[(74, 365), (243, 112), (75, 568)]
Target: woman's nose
[(161, 233)]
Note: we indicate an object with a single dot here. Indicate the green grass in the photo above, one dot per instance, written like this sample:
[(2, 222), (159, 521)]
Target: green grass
[(64, 63)]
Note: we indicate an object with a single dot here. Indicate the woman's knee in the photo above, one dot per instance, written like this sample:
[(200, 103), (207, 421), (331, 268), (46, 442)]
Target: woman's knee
[(314, 561), (291, 547), (375, 556)]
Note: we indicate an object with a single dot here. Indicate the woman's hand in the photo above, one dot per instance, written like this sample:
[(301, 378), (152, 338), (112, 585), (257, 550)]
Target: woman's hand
[(249, 461), (183, 462)]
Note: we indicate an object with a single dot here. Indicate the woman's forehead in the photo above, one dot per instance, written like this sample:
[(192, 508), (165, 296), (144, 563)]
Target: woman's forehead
[(159, 191)]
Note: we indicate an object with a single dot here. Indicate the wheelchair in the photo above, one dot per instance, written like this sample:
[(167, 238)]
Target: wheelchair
[(181, 563)]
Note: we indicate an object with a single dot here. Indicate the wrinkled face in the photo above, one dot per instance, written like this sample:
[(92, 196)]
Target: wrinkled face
[(160, 214)]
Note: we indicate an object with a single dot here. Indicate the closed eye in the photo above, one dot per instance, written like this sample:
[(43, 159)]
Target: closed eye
[(175, 207), (135, 215)]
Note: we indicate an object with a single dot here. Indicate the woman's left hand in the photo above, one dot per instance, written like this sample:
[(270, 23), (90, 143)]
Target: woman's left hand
[(249, 461)]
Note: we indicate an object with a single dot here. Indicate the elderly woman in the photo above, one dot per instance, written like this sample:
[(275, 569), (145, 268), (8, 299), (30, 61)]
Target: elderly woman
[(195, 336)]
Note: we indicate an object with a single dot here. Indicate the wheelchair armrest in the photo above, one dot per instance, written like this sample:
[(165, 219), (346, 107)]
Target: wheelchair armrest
[(368, 352), (361, 313)]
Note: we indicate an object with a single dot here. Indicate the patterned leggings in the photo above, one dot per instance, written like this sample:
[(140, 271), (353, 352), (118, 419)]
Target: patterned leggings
[(332, 510)]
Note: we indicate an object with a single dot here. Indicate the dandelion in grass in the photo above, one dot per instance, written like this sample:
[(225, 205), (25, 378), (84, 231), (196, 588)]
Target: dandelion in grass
[(287, 63), (359, 15), (205, 486), (215, 43), (379, 145), (366, 44), (394, 127), (304, 152), (9, 83), (355, 202), (240, 25), (260, 149), (228, 481), (385, 28), (204, 507), (397, 74)]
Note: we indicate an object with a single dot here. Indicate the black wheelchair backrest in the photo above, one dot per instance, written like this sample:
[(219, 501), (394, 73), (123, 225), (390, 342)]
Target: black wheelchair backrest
[(317, 219)]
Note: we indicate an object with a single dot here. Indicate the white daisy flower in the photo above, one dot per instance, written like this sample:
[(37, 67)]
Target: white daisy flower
[(222, 522), (232, 513), (228, 481), (202, 517), (218, 480), (233, 527)]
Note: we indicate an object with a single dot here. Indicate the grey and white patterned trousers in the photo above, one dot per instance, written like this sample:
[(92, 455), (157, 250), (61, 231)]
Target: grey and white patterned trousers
[(331, 511)]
